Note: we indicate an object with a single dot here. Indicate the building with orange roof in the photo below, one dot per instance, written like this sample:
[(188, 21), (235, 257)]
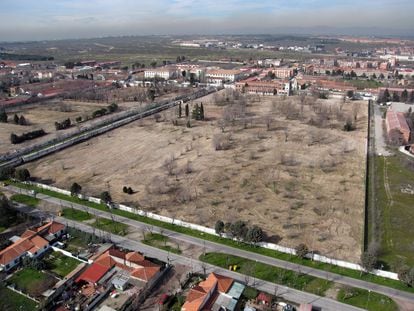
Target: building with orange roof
[(133, 263), (33, 243), (217, 292), (397, 127)]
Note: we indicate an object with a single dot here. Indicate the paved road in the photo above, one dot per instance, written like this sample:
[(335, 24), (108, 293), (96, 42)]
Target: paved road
[(283, 292), (215, 247)]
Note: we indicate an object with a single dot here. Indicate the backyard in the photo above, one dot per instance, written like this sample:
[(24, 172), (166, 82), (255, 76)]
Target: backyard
[(12, 301), (60, 264), (32, 281)]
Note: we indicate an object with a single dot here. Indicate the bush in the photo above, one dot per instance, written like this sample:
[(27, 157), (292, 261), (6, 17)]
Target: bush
[(22, 174), (6, 173), (63, 125), (301, 250), (219, 227), (349, 126), (106, 197), (3, 116), (112, 108), (16, 139), (75, 189), (99, 113)]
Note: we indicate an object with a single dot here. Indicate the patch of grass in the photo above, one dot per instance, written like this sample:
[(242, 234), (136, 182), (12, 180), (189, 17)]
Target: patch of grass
[(359, 297), (250, 293), (25, 199), (76, 215), (261, 271), (366, 300), (318, 286), (31, 281), (364, 84), (396, 219), (114, 227), (11, 301), (60, 264), (160, 241), (263, 251)]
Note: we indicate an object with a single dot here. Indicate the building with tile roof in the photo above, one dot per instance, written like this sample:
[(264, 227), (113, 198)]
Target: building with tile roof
[(217, 292), (33, 243), (397, 127)]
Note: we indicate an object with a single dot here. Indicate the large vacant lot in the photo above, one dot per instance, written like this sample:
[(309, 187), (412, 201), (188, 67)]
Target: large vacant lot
[(284, 164)]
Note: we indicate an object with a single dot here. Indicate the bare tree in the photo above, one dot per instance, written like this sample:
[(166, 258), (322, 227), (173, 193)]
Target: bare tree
[(170, 164)]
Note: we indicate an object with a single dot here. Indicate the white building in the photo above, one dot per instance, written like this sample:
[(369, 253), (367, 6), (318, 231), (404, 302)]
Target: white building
[(223, 75), (164, 73)]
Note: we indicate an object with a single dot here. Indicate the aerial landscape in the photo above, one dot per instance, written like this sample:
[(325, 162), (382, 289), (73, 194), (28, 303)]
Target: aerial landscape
[(186, 155)]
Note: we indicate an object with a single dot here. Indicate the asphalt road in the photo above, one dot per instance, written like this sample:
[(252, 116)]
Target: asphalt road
[(283, 292), (215, 247)]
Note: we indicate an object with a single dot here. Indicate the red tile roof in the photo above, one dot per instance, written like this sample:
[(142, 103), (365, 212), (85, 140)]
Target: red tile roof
[(30, 241), (93, 274), (200, 294)]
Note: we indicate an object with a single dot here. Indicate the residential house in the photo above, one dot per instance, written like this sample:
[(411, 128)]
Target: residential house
[(32, 243), (217, 292)]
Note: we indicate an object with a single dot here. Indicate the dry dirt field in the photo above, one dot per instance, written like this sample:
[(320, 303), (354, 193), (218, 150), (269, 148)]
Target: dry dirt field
[(287, 166), (44, 115)]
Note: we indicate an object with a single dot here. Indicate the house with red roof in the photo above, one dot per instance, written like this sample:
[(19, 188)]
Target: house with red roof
[(397, 127), (32, 243), (217, 292), (132, 263)]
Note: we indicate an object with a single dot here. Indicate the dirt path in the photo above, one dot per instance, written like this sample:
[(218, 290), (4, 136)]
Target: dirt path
[(389, 205)]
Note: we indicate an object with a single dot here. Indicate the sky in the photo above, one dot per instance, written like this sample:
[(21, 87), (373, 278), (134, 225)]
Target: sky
[(59, 19)]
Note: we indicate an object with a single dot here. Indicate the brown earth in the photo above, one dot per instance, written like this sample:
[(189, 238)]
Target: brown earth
[(299, 182)]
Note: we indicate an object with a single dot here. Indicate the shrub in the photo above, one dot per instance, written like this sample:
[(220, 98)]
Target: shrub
[(22, 174), (3, 116), (219, 227), (63, 125), (301, 250), (349, 126), (16, 139)]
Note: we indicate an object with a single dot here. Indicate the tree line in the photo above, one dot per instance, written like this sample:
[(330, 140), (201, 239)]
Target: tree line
[(18, 139), (240, 231)]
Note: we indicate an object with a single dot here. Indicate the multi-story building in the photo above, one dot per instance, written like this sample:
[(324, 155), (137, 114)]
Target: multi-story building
[(163, 73)]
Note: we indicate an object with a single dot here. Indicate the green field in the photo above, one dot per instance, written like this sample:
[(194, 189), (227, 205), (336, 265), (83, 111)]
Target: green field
[(359, 297), (25, 199), (75, 214), (365, 84), (60, 264), (266, 272), (366, 300), (396, 209), (160, 241), (32, 281), (12, 301), (248, 247), (111, 226)]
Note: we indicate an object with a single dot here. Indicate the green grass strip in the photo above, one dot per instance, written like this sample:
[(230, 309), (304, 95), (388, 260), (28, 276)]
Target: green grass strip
[(213, 238)]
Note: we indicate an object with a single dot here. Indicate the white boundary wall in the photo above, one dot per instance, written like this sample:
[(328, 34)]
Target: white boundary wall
[(280, 248)]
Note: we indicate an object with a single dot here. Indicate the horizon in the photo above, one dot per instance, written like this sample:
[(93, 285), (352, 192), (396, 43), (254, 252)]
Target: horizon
[(64, 19)]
